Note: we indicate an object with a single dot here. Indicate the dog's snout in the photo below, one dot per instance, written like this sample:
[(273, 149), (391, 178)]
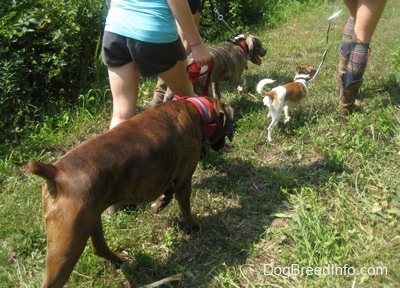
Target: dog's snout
[(262, 52)]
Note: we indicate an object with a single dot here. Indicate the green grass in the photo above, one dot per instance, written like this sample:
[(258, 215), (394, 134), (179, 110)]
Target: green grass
[(325, 193)]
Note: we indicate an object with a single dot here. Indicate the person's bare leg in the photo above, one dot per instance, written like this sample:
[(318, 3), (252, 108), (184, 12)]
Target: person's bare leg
[(177, 79), (352, 5), (368, 15), (124, 82), (161, 86)]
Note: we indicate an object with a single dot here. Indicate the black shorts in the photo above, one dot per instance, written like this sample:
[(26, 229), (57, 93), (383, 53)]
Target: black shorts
[(194, 6), (150, 58)]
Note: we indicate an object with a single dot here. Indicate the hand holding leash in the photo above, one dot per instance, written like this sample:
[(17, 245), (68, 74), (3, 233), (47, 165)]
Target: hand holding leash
[(200, 52), (195, 72)]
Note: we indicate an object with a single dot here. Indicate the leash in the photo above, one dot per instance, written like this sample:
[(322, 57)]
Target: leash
[(333, 16), (238, 38), (220, 17)]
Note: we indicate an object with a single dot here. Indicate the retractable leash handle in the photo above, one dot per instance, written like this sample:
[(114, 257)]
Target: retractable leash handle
[(195, 72)]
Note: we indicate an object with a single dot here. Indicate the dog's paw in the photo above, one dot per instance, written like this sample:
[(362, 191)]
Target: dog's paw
[(118, 259), (187, 227), (227, 149), (161, 203), (124, 255)]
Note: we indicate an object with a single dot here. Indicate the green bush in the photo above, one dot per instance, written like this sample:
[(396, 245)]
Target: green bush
[(48, 52), (243, 16)]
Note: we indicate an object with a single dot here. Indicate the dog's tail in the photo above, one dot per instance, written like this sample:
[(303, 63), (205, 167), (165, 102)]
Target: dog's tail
[(46, 171), (262, 83)]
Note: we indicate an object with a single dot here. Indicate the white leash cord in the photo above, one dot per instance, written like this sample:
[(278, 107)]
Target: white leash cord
[(333, 16)]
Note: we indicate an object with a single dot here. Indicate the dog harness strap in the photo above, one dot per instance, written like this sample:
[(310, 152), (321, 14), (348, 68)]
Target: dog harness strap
[(302, 79), (241, 41), (243, 44), (204, 106)]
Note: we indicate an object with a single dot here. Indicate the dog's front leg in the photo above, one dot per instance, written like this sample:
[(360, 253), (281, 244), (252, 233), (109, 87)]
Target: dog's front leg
[(183, 194), (99, 245), (242, 87)]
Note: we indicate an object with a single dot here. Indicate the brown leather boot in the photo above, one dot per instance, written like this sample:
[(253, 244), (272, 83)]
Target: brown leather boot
[(343, 59), (348, 97), (159, 92)]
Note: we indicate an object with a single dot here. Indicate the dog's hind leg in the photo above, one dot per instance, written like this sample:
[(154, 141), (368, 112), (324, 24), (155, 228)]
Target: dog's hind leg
[(271, 126), (67, 235), (287, 116), (99, 245)]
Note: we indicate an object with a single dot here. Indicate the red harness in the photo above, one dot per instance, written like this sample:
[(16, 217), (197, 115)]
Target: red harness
[(206, 109), (207, 113), (242, 43)]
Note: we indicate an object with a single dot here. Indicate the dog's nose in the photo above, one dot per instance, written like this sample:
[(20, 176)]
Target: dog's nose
[(262, 52)]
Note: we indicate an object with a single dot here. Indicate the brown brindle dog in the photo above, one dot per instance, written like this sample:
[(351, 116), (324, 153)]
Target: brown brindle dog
[(230, 60), (155, 152)]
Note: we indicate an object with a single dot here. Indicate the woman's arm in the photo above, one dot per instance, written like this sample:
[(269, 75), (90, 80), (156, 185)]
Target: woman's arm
[(181, 11)]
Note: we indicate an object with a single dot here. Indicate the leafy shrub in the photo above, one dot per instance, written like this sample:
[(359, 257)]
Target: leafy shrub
[(241, 15), (48, 52)]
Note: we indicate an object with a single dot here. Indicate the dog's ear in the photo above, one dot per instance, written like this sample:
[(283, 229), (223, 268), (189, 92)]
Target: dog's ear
[(226, 118), (300, 69), (309, 70), (312, 71), (46, 171)]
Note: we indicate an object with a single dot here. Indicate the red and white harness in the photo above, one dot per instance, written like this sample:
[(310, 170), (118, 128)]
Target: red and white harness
[(207, 112)]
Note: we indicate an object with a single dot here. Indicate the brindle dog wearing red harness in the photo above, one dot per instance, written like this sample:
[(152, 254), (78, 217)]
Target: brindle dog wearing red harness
[(155, 152)]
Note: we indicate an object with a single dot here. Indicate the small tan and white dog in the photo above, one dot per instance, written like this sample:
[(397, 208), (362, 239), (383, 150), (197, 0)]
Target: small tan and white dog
[(285, 96)]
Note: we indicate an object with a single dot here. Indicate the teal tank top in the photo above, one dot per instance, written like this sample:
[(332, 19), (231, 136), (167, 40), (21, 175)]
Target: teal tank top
[(145, 20)]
